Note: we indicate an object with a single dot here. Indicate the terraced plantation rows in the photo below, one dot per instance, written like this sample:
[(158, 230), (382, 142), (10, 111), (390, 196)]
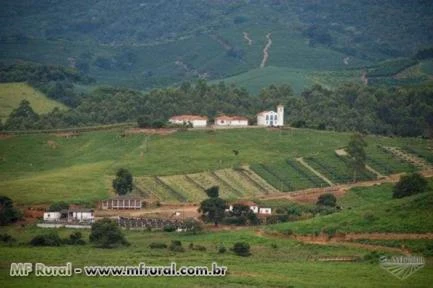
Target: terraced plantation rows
[(233, 184), (335, 169), (385, 163), (288, 175), (425, 154)]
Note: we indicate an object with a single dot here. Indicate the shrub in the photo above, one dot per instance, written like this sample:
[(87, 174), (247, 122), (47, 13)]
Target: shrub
[(176, 246), (58, 206), (327, 199), (157, 245), (222, 249), (198, 248), (192, 226), (6, 238), (106, 233), (409, 185), (369, 217), (241, 249), (75, 239), (373, 257), (169, 228), (8, 213), (330, 230), (51, 239)]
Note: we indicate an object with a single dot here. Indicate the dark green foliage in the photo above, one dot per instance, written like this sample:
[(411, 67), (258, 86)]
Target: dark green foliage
[(409, 185), (106, 233), (373, 257), (241, 215), (50, 239), (241, 249), (356, 154), (58, 206), (197, 247), (75, 239), (169, 228), (193, 226), (22, 118), (6, 238), (123, 182), (212, 209), (8, 213), (327, 199), (391, 68), (213, 192), (176, 246), (424, 54), (157, 245), (222, 249)]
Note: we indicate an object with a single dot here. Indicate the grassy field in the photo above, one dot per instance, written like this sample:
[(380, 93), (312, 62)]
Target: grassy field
[(11, 94), (275, 262), (34, 172), (372, 210)]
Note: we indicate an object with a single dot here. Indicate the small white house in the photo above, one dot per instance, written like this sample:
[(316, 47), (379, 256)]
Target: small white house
[(52, 216), (253, 206), (271, 118), (195, 120), (231, 121), (81, 215), (265, 211)]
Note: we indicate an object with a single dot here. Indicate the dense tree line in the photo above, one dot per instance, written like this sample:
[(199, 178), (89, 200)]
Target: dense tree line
[(403, 111)]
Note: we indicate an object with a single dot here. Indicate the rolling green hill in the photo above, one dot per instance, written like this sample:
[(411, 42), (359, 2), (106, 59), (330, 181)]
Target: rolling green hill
[(145, 44), (11, 94), (44, 168)]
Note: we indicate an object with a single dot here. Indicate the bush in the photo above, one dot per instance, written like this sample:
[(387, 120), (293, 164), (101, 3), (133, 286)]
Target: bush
[(169, 228), (192, 226), (222, 249), (373, 257), (75, 239), (8, 213), (157, 245), (176, 246), (410, 185), (106, 234), (197, 247), (51, 239), (330, 231), (369, 217), (241, 249), (327, 199), (6, 238)]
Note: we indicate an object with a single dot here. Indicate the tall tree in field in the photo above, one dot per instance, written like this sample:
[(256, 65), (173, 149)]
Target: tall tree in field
[(357, 155), (123, 182), (213, 209)]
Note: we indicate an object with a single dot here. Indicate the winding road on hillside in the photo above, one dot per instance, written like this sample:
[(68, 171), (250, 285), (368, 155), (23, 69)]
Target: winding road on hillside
[(247, 37), (266, 51)]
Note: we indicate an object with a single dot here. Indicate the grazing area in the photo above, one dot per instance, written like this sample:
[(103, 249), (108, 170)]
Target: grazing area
[(41, 168)]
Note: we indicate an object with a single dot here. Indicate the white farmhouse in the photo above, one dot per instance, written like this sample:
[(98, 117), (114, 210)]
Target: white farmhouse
[(81, 215), (195, 120), (52, 216), (271, 118), (231, 121)]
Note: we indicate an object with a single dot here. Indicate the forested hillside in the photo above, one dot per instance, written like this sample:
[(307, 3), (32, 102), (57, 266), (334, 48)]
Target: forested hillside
[(145, 44)]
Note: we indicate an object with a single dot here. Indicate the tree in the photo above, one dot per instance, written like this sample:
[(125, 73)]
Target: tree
[(8, 213), (58, 206), (106, 233), (410, 185), (123, 182), (327, 199), (213, 209), (357, 155), (22, 118)]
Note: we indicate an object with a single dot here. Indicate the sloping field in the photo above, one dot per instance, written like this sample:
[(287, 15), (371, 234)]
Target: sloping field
[(11, 94), (385, 163)]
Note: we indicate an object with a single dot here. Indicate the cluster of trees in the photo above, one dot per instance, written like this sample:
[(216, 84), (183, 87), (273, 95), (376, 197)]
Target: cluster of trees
[(54, 81), (404, 111), (8, 213)]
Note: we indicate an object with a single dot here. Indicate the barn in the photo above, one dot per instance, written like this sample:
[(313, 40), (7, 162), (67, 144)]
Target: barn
[(231, 121), (195, 120)]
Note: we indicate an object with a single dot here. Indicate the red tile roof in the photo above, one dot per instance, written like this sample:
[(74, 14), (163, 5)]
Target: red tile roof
[(188, 117), (231, 118)]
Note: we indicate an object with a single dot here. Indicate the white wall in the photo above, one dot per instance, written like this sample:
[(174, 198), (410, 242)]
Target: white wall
[(267, 211), (82, 216), (51, 216), (199, 123), (231, 122)]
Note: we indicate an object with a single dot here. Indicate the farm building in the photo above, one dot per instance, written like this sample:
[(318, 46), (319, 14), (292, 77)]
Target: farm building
[(80, 215), (234, 121), (52, 216), (195, 120), (253, 207), (122, 202), (271, 118)]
